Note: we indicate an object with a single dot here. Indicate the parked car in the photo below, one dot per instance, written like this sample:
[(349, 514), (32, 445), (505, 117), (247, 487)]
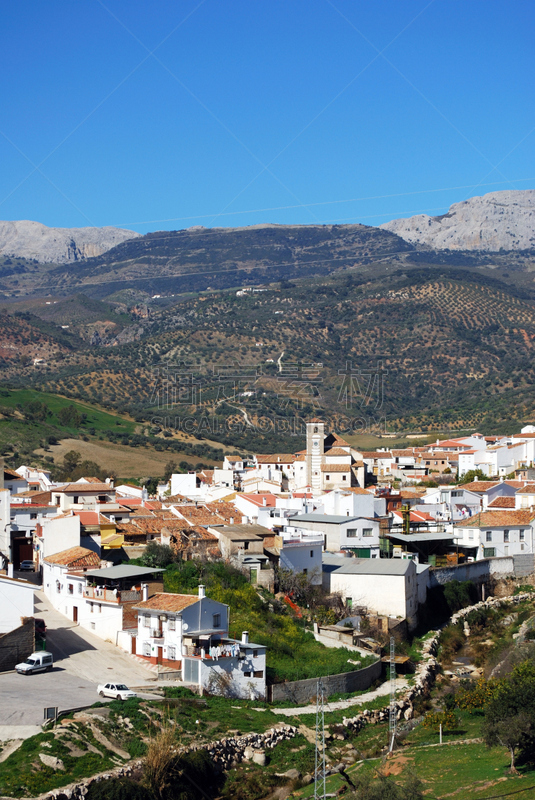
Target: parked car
[(116, 690), (27, 566), (37, 662), (40, 629)]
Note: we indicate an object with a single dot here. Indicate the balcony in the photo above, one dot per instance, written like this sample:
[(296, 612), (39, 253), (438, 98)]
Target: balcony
[(100, 593)]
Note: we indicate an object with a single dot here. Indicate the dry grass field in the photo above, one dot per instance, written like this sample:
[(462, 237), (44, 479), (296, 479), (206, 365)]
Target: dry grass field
[(127, 462)]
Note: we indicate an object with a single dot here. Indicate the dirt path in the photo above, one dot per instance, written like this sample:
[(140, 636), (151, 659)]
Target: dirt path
[(338, 705)]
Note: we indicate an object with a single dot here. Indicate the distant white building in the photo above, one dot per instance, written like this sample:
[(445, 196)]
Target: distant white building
[(497, 533)]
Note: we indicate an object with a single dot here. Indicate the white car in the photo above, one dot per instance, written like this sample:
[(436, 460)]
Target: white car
[(116, 690)]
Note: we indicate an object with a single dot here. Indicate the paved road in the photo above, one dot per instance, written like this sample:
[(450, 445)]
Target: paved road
[(81, 661), (83, 655)]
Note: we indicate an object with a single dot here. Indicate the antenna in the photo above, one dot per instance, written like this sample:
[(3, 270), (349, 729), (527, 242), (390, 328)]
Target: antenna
[(320, 770), (392, 718)]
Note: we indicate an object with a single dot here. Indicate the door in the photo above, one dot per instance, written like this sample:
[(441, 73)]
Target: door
[(160, 655), (133, 639), (75, 613)]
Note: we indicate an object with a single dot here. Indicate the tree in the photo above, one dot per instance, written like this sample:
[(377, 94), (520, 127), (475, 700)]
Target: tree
[(157, 555), (472, 474), (510, 714), (71, 460), (170, 468)]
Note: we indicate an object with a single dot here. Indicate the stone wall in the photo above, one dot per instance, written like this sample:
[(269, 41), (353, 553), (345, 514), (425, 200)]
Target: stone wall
[(475, 571), (524, 564), (17, 645), (299, 692)]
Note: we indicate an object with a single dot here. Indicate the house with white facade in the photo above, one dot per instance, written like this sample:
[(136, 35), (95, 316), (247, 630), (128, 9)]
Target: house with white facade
[(82, 494), (16, 602), (190, 633), (358, 534), (384, 586), (97, 598), (299, 552), (497, 533)]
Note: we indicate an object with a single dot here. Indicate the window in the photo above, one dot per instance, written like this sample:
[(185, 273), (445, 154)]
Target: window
[(70, 588), (344, 477), (146, 649), (90, 608), (456, 494), (506, 536), (248, 674), (351, 533), (99, 608), (470, 534), (217, 620), (305, 572), (75, 499), (146, 621), (312, 554), (171, 624), (258, 674), (521, 534), (255, 653), (246, 545), (33, 516), (489, 552), (79, 588), (367, 531), (488, 536), (171, 652)]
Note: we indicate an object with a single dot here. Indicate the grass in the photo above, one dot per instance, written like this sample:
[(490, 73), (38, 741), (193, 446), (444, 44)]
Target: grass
[(24, 775)]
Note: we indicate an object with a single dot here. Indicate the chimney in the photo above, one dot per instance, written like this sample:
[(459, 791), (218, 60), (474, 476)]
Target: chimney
[(201, 591), (245, 637), (263, 501), (231, 521), (145, 591), (10, 569)]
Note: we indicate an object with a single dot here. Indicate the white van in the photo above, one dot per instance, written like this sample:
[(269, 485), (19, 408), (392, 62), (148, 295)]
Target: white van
[(37, 662)]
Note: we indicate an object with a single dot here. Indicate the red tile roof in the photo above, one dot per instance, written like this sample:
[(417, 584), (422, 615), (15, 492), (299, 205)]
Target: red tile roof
[(502, 502), (75, 557), (167, 602), (498, 519)]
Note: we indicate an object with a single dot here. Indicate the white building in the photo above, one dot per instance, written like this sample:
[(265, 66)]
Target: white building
[(300, 552), (16, 602), (497, 533), (385, 586), (191, 633), (360, 534)]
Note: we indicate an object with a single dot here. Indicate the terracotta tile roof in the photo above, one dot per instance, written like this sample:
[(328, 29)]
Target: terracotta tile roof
[(233, 459), (90, 480), (77, 557), (358, 490), (515, 484), (300, 457), (402, 453), (498, 519), (374, 454), (163, 601), (12, 475), (479, 486), (334, 440), (335, 468), (88, 517), (261, 499), (226, 511), (502, 502), (276, 458), (528, 489), (84, 488), (336, 451), (408, 494), (523, 436), (199, 515)]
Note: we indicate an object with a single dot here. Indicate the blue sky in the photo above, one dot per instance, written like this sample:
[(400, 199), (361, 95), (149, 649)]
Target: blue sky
[(165, 115)]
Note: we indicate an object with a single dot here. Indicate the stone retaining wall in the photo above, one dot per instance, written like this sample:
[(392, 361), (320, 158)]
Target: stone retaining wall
[(300, 692), (17, 645)]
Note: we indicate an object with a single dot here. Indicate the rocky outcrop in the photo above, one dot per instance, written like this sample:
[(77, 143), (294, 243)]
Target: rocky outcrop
[(499, 220), (31, 240)]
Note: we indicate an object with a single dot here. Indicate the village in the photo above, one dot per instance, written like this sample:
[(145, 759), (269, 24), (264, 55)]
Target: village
[(356, 524)]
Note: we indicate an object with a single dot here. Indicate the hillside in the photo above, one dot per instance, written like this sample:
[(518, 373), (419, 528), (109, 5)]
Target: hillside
[(32, 240), (496, 221), (174, 262), (454, 345)]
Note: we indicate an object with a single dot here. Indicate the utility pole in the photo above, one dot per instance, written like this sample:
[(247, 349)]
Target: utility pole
[(392, 718), (320, 770)]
